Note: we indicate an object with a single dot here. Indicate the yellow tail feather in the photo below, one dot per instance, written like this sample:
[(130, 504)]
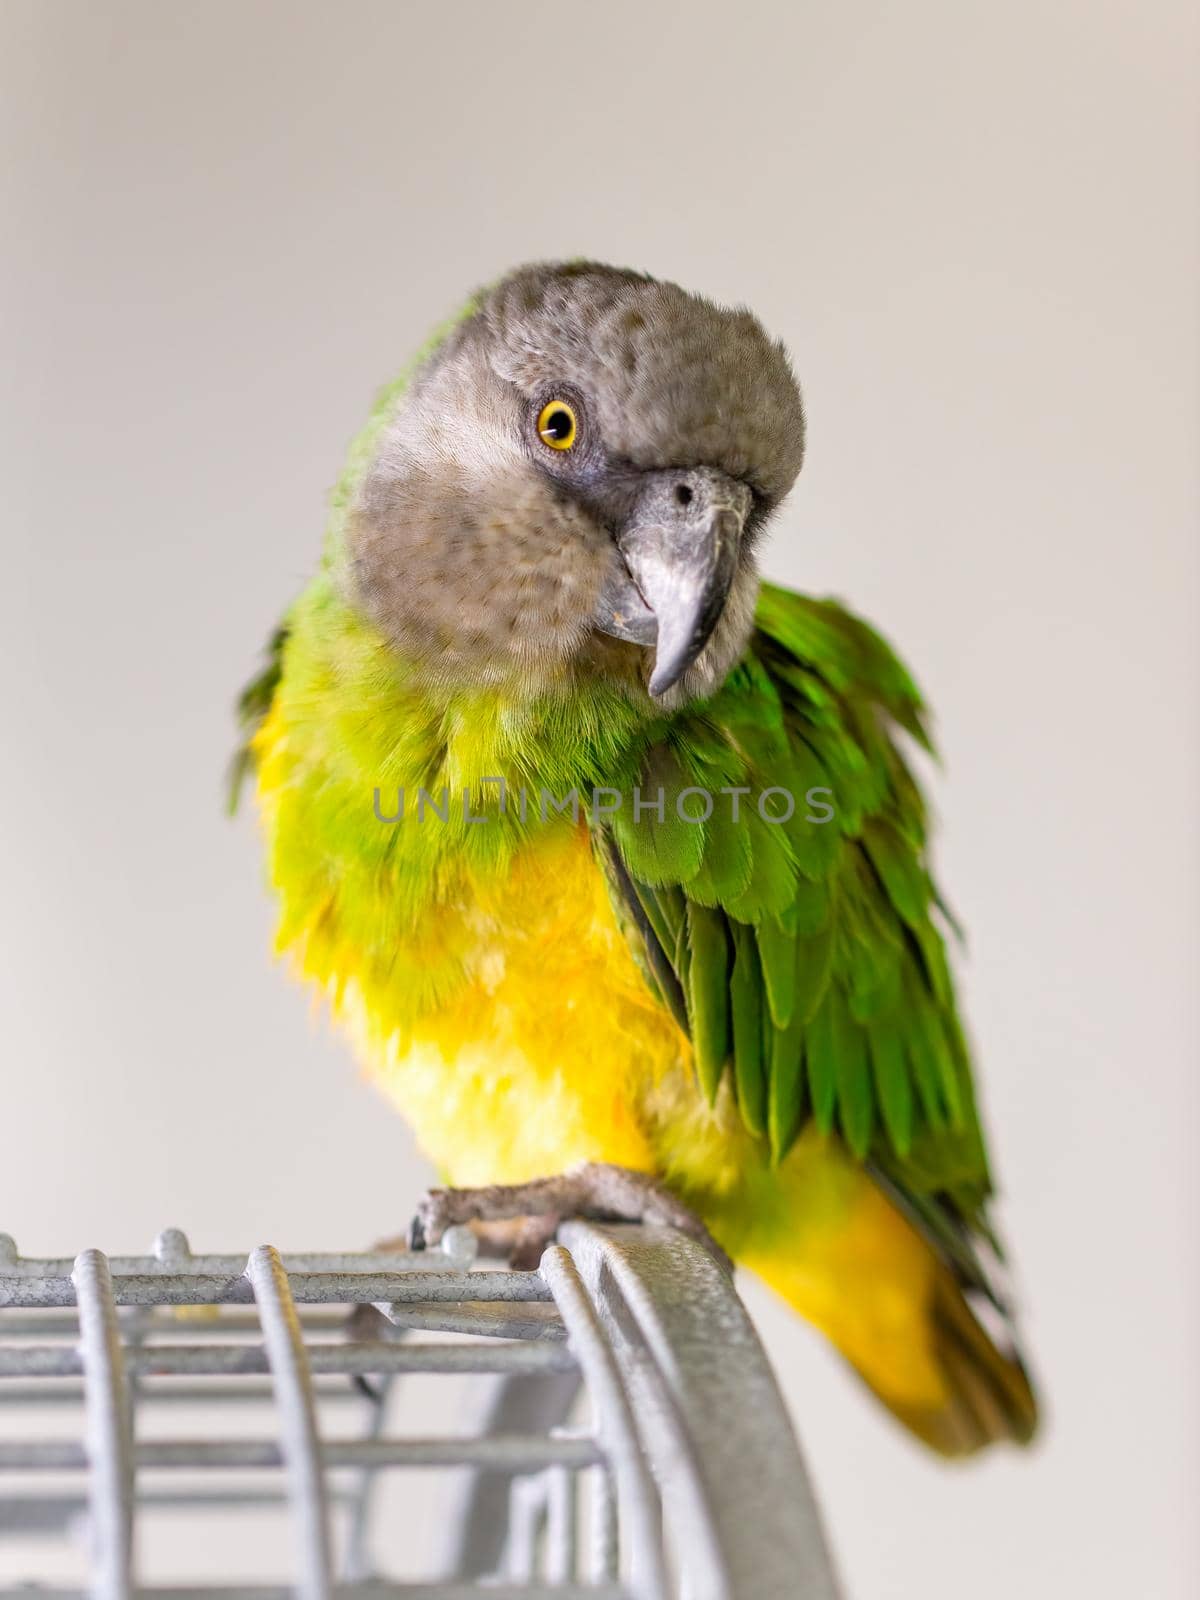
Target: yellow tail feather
[(880, 1293), (989, 1397)]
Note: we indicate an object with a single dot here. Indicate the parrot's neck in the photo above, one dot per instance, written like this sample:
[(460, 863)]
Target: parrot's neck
[(419, 768)]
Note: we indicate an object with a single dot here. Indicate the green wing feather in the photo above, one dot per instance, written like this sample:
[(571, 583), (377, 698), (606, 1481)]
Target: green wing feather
[(807, 954), (252, 706), (747, 1005)]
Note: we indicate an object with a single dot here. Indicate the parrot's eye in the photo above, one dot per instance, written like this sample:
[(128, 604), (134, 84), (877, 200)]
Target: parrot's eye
[(557, 425)]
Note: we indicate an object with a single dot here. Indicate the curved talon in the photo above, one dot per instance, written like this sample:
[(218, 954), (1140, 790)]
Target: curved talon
[(533, 1237), (416, 1233)]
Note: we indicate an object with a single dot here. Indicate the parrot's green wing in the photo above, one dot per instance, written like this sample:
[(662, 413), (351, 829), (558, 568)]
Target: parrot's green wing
[(252, 706), (803, 949)]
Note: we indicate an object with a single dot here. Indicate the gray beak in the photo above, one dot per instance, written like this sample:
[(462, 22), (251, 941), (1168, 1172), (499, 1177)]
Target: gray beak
[(679, 553)]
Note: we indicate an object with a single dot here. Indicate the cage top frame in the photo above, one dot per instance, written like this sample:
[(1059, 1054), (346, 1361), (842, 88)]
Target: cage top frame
[(689, 1450)]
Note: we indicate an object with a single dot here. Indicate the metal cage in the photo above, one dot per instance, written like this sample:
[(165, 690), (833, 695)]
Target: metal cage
[(682, 1478)]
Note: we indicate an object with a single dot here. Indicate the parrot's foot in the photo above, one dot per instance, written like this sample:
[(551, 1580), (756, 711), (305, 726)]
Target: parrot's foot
[(593, 1191)]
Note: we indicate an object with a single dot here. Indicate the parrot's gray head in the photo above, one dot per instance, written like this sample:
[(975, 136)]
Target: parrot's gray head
[(574, 483)]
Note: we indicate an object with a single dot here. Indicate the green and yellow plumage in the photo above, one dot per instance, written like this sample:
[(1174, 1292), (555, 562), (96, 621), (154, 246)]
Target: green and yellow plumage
[(760, 1012)]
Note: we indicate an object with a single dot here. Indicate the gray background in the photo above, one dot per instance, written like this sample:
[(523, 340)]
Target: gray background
[(975, 226)]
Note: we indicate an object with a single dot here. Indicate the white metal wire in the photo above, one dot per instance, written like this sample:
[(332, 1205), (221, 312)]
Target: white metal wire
[(613, 1421), (283, 1341), (110, 1448), (687, 1481)]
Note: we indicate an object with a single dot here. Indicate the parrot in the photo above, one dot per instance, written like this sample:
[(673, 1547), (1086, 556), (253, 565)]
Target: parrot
[(608, 855)]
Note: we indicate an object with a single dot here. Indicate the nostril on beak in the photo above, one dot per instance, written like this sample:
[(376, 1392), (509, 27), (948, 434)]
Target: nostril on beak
[(684, 494)]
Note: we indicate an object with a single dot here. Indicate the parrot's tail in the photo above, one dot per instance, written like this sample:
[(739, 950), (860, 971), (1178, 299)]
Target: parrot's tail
[(893, 1307), (927, 1356), (988, 1397)]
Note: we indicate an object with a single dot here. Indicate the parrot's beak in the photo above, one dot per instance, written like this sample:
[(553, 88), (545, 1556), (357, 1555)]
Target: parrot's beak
[(679, 553)]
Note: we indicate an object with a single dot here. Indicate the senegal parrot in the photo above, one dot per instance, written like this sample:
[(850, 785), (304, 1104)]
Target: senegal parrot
[(607, 853)]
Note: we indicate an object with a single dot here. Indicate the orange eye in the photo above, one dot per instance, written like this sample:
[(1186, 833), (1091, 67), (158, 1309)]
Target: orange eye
[(556, 425)]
